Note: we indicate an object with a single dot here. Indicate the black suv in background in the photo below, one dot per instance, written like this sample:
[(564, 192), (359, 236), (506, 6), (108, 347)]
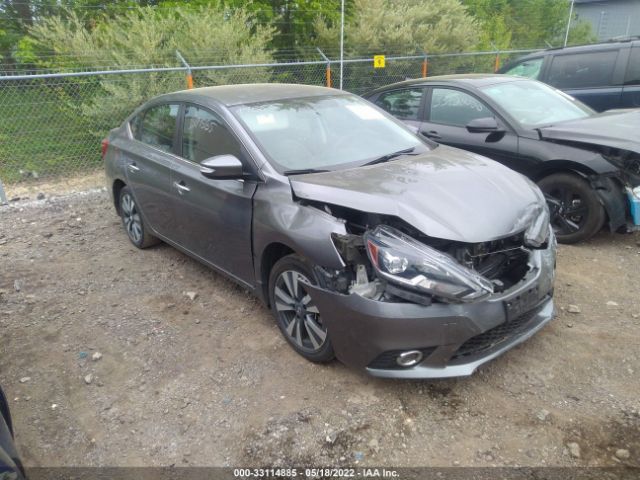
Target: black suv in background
[(604, 75)]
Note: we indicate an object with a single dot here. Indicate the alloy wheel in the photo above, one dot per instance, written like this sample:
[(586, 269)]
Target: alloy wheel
[(131, 218), (569, 211), (298, 313)]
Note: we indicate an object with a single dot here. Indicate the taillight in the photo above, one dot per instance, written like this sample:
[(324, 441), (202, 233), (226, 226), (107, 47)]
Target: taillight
[(105, 145)]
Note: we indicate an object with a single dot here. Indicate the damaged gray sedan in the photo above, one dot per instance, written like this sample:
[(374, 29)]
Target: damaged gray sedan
[(396, 255)]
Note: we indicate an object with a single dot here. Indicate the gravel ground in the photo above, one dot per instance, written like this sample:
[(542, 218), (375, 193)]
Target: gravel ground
[(210, 381)]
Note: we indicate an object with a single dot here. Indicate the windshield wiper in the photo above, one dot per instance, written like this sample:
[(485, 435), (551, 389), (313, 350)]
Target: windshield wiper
[(302, 171), (389, 156)]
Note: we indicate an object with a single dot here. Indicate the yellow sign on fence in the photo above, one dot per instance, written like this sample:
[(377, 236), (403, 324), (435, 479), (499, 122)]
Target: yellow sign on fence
[(378, 61)]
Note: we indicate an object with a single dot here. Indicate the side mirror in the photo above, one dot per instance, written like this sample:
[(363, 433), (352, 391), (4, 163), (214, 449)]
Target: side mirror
[(222, 167), (483, 125)]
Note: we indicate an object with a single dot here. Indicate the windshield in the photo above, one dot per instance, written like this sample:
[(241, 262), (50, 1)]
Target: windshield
[(324, 133), (534, 104)]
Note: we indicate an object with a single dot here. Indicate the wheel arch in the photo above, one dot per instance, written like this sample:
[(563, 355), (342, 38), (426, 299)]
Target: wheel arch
[(270, 255), (563, 166), (116, 187)]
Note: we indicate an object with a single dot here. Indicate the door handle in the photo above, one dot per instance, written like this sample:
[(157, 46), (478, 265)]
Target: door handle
[(182, 188), (132, 168), (431, 134)]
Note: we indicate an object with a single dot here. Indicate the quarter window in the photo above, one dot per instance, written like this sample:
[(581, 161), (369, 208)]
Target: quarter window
[(156, 126), (583, 70), (404, 104), (453, 107), (205, 135)]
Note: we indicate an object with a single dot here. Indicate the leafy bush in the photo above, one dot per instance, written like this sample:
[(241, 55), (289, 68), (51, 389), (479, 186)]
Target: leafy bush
[(402, 26), (145, 37)]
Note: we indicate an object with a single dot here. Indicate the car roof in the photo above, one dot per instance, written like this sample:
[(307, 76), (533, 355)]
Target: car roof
[(230, 95), (470, 79), (610, 45)]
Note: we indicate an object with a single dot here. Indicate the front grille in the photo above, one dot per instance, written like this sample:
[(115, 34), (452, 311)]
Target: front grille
[(387, 360), (495, 336)]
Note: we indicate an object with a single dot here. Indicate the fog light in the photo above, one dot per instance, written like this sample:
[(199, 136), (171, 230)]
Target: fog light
[(409, 358)]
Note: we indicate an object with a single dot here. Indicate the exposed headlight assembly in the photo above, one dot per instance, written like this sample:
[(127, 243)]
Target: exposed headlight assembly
[(626, 161), (535, 220), (537, 233), (404, 261)]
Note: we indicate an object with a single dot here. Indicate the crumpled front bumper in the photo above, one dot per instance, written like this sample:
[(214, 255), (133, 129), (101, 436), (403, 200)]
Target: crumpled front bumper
[(363, 330)]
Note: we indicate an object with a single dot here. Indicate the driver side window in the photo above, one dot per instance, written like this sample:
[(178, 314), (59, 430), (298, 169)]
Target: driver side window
[(453, 107), (205, 135)]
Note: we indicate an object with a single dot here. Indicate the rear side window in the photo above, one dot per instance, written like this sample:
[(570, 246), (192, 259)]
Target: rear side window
[(582, 70), (404, 104), (633, 70), (156, 126), (453, 107), (205, 135), (528, 68)]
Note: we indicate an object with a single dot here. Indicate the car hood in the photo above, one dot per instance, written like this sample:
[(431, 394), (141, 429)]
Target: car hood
[(445, 193), (615, 128)]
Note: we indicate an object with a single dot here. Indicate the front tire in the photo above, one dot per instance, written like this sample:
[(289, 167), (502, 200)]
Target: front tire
[(132, 220), (576, 211), (296, 315)]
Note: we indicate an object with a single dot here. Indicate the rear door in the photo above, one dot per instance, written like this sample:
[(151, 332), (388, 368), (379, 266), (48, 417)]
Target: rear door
[(631, 89), (448, 111), (213, 217), (591, 77), (148, 159)]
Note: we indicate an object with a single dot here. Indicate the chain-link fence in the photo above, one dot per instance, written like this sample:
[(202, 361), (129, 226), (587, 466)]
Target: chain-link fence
[(51, 124)]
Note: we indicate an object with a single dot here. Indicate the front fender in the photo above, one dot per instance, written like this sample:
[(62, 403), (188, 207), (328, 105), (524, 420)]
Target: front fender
[(277, 218)]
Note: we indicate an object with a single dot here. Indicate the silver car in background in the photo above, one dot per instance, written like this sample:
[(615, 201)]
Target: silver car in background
[(394, 254)]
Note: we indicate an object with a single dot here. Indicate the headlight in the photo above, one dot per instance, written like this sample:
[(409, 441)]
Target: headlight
[(538, 231), (402, 260), (535, 221)]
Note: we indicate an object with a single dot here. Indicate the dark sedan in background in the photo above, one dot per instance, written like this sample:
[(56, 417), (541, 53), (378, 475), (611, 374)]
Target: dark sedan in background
[(587, 164)]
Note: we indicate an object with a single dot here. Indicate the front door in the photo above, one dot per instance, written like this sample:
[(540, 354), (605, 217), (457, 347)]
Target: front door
[(213, 217), (447, 114)]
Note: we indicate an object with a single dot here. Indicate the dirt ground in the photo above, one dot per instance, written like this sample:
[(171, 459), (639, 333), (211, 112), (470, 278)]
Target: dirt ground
[(210, 381)]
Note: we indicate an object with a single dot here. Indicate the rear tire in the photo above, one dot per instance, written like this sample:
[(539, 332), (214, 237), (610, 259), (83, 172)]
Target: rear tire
[(296, 315), (132, 221), (576, 214)]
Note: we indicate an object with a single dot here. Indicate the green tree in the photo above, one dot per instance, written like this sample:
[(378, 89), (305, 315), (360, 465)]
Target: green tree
[(526, 23), (397, 27), (146, 36), (402, 26), (18, 16), (293, 20)]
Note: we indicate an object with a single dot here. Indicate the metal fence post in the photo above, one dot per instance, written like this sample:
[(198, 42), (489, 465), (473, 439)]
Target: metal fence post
[(496, 65), (328, 70), (3, 196), (425, 65), (188, 67)]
